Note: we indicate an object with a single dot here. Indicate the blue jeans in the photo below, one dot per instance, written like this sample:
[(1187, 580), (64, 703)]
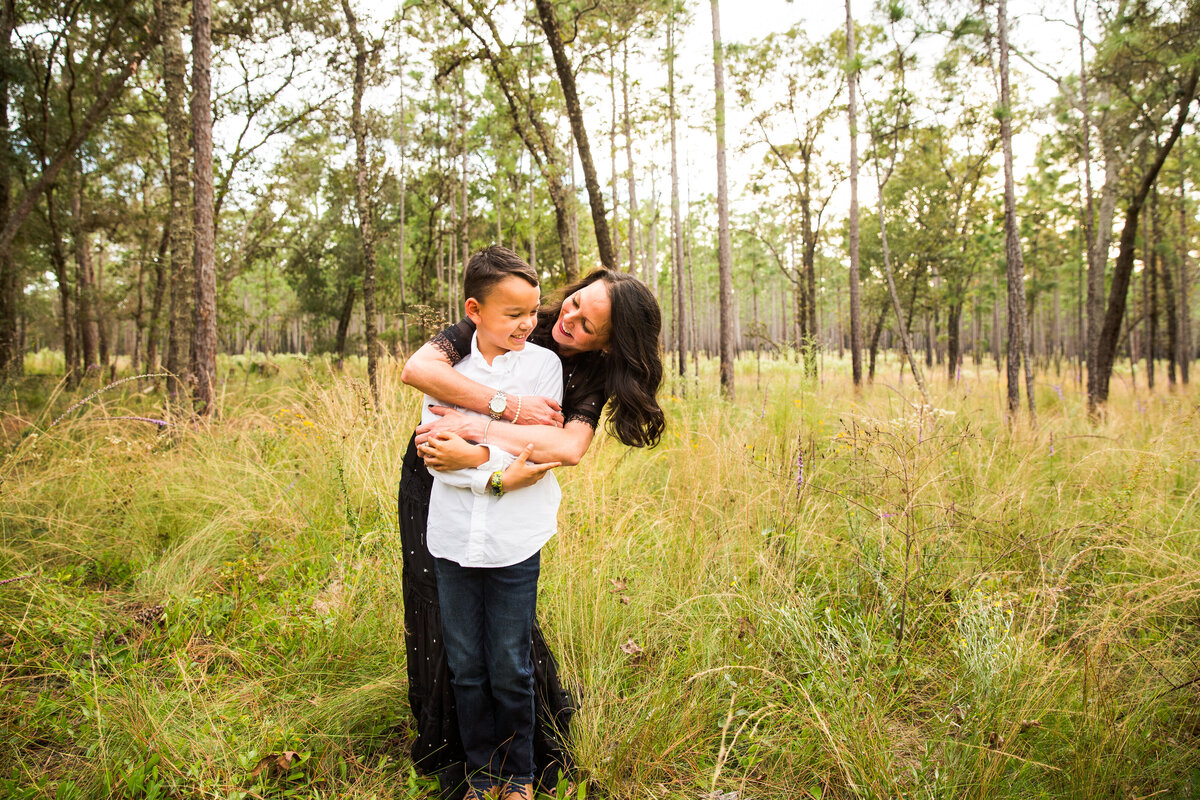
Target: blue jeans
[(487, 620)]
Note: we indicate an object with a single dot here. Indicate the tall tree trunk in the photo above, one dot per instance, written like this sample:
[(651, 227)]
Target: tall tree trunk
[(343, 325), (204, 312), (953, 340), (11, 358), (154, 326), (1168, 293), (178, 137), (724, 239), (1085, 148), (400, 251), (874, 346), (632, 182), (566, 79), (1018, 322), (612, 155), (1115, 312), (852, 114), (85, 284), (65, 286), (1150, 289), (676, 227), (1184, 352), (362, 198)]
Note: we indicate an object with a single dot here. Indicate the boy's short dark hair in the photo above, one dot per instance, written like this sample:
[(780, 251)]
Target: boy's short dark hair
[(490, 266)]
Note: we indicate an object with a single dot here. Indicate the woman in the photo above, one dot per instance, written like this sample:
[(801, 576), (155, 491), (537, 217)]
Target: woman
[(605, 330)]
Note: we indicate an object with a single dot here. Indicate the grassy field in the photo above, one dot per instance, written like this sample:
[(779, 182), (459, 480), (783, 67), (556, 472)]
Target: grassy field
[(806, 594)]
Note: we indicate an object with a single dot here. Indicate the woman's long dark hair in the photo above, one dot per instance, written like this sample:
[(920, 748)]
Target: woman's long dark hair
[(633, 366)]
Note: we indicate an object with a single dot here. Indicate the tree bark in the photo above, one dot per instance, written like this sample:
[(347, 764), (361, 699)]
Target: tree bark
[(362, 199), (65, 287), (724, 239), (178, 368), (566, 79), (852, 114), (343, 326), (1184, 352), (11, 358), (1106, 349), (204, 312), (85, 285), (676, 227), (632, 182), (1018, 323), (153, 327)]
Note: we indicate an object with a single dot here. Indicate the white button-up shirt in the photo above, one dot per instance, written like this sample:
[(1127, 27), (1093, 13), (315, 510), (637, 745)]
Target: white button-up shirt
[(467, 523)]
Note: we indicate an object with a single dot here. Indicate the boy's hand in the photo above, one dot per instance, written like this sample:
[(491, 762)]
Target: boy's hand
[(538, 410), (447, 451), (521, 473)]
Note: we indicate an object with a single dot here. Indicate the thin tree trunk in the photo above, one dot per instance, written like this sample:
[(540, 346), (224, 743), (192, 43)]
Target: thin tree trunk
[(1184, 352), (400, 251), (1018, 323), (1150, 290), (204, 313), (566, 79), (362, 200), (154, 326), (1089, 209), (676, 227), (632, 182), (67, 312), (724, 239), (85, 285), (12, 361), (1169, 302), (343, 325), (852, 114), (179, 168)]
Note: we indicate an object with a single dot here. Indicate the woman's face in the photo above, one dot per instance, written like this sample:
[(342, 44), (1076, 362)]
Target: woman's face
[(584, 321)]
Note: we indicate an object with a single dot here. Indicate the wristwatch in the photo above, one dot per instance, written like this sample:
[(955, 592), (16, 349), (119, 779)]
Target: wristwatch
[(497, 405)]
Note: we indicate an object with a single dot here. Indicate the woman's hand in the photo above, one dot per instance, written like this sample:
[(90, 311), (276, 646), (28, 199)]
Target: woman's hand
[(521, 473), (447, 451), (450, 421), (537, 410)]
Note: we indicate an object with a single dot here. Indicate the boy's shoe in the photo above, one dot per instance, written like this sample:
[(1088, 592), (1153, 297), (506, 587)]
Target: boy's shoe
[(514, 792), (480, 794)]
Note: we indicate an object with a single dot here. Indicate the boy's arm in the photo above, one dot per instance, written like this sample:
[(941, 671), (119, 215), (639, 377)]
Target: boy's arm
[(476, 479)]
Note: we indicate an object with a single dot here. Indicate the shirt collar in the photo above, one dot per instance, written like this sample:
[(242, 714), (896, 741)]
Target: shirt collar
[(502, 361)]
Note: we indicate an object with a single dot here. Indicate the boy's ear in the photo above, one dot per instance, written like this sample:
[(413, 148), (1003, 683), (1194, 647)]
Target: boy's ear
[(472, 308)]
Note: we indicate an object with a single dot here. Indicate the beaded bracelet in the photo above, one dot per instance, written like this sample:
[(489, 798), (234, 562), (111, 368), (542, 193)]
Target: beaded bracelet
[(517, 416)]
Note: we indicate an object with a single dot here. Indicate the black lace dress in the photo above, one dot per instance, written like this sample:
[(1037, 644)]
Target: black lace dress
[(437, 750)]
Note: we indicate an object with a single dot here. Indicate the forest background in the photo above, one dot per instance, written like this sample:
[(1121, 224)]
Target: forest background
[(856, 566)]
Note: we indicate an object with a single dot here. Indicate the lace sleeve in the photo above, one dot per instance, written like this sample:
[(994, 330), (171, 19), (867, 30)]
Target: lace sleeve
[(454, 342)]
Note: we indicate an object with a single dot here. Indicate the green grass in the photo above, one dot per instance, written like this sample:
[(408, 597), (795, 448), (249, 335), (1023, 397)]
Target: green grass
[(946, 606)]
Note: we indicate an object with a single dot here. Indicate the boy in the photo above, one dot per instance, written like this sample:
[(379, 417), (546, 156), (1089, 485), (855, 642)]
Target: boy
[(486, 528)]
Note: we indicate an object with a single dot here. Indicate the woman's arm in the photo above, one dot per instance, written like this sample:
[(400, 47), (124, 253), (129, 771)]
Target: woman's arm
[(566, 445), (430, 371)]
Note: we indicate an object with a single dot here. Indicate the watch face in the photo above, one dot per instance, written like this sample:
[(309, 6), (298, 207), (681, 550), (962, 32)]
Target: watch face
[(498, 403)]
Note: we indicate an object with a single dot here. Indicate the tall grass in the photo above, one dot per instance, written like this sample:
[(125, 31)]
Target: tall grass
[(943, 604)]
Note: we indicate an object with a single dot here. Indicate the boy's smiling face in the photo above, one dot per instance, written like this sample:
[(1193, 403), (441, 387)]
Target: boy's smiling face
[(505, 316)]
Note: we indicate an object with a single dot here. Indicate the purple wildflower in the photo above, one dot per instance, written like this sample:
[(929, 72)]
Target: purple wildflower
[(799, 462), (1058, 391)]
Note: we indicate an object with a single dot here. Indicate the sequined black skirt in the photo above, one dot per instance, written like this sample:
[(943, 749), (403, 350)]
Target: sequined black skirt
[(437, 750)]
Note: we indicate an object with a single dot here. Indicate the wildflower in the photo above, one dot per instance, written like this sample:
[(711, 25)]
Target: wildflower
[(799, 462), (1058, 391)]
